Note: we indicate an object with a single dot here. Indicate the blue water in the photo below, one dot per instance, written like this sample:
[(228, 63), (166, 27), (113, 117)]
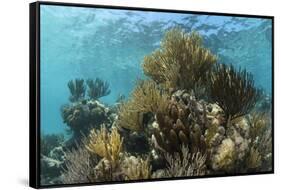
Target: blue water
[(110, 44)]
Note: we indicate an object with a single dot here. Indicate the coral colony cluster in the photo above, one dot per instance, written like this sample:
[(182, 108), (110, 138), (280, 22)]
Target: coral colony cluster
[(192, 116)]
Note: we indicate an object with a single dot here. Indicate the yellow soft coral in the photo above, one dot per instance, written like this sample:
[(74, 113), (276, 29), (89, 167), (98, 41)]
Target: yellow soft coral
[(225, 157), (144, 99), (129, 118), (254, 159), (148, 98), (105, 144), (259, 123), (181, 62), (136, 168)]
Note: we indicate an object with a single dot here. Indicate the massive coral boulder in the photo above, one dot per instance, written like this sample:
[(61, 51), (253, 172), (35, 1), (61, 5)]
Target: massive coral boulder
[(85, 115), (184, 123)]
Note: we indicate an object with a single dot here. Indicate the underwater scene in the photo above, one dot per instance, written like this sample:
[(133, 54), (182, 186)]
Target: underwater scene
[(132, 95)]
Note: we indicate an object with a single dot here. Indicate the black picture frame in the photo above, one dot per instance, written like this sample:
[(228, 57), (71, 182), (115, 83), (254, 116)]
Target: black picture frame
[(34, 90)]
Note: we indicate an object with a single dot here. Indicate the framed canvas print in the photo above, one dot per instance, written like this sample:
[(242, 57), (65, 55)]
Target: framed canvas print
[(122, 94)]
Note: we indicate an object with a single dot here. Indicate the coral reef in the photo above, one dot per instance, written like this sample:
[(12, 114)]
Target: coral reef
[(97, 88), (190, 117), (181, 62), (233, 90), (77, 89)]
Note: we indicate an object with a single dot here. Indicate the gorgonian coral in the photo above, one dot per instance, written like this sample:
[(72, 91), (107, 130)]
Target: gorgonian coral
[(135, 168), (77, 89), (233, 90), (185, 164), (260, 155), (97, 88), (181, 62), (129, 118), (106, 144), (79, 164), (146, 98)]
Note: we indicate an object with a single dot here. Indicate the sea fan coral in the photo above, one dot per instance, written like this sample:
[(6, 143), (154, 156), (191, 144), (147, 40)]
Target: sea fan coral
[(77, 89), (106, 144), (233, 90), (181, 62), (97, 88)]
